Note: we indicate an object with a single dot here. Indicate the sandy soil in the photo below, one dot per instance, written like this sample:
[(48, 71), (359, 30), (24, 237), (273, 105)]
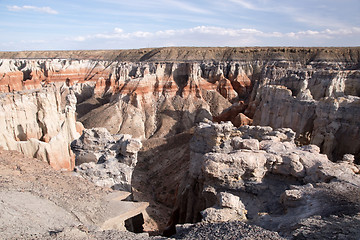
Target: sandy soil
[(35, 199)]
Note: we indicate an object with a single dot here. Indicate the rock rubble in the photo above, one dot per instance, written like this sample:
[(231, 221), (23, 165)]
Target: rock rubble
[(106, 160), (258, 174)]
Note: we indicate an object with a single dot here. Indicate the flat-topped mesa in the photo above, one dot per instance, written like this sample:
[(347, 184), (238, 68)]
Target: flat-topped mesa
[(350, 55), (26, 70)]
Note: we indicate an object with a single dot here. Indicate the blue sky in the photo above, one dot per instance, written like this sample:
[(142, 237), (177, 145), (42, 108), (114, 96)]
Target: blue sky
[(112, 24)]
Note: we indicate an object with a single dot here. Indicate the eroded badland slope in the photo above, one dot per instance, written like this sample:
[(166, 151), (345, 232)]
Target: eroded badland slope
[(149, 121)]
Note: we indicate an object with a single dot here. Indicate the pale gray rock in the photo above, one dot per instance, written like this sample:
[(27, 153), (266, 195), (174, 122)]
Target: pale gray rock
[(305, 95), (240, 143), (330, 121), (215, 215), (348, 158), (105, 159), (34, 123), (229, 200), (275, 184), (210, 137)]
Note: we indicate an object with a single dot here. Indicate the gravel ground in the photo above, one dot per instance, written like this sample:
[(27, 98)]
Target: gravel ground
[(228, 230)]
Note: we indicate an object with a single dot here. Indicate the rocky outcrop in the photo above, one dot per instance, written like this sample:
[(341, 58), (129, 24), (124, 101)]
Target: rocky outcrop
[(258, 174), (34, 123), (332, 123), (156, 100), (161, 92), (38, 202), (106, 160), (24, 74)]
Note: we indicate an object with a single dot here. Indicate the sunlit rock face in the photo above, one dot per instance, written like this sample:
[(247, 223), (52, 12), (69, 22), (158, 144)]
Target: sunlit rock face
[(258, 174), (321, 104), (152, 93), (34, 123)]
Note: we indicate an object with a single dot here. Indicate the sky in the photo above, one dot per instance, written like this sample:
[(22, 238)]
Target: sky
[(117, 24)]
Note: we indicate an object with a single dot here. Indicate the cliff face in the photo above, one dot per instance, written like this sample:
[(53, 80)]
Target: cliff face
[(176, 54), (24, 74), (157, 99), (33, 122), (322, 104), (152, 93)]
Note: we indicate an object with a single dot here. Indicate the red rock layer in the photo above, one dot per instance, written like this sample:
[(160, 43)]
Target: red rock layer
[(235, 115), (30, 74)]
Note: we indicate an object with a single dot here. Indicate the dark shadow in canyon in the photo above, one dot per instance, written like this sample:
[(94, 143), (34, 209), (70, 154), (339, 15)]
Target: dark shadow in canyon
[(162, 165), (90, 104)]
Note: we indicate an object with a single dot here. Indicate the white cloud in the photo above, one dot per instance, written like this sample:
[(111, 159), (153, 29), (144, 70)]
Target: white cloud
[(79, 39), (118, 33), (118, 30), (211, 31), (47, 10), (327, 33), (199, 36)]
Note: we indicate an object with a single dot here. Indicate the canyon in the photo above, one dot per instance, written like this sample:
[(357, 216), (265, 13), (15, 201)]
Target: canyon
[(258, 135)]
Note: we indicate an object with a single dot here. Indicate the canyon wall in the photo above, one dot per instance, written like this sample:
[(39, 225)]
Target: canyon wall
[(151, 93), (320, 101), (33, 122)]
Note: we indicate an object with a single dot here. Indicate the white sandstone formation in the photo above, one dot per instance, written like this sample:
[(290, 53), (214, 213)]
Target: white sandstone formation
[(161, 92), (106, 160), (156, 100), (32, 122), (330, 123), (257, 174)]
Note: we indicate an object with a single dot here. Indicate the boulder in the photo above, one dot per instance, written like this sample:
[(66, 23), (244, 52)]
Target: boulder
[(105, 159), (240, 143)]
